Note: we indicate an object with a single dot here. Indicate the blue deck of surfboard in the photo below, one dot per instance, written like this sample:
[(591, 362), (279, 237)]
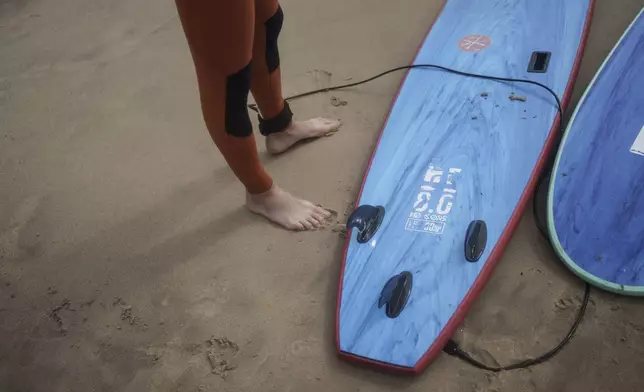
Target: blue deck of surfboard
[(483, 150), (597, 197)]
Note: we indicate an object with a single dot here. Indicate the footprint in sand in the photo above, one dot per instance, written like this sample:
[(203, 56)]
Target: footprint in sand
[(322, 77), (221, 353), (17, 240), (304, 348)]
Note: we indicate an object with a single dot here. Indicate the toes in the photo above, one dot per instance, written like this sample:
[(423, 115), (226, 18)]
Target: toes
[(296, 226), (315, 223), (321, 123), (323, 212), (327, 124), (333, 123), (307, 225), (330, 132), (320, 218)]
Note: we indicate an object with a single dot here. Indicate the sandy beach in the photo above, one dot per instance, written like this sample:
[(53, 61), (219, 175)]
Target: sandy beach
[(127, 260)]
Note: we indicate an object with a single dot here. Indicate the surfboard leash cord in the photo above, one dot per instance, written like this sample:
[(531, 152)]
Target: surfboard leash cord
[(412, 66), (452, 348)]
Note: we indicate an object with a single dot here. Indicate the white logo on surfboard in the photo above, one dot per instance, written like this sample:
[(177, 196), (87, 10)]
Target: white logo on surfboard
[(638, 144), (433, 220)]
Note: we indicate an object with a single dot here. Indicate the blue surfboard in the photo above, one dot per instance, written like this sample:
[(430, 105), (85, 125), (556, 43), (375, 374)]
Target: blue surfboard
[(596, 194), (455, 165)]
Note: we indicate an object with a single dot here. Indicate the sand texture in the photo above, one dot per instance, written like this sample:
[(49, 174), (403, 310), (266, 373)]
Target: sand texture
[(127, 262)]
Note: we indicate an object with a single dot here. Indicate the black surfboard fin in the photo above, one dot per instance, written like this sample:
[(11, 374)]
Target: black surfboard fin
[(396, 293), (367, 220), (475, 240)]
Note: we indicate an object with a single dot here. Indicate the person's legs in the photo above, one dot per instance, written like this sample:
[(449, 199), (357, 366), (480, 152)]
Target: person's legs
[(220, 42), (275, 120), (220, 37)]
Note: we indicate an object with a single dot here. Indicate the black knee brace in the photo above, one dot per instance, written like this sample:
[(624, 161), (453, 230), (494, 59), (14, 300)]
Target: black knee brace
[(273, 27), (237, 119)]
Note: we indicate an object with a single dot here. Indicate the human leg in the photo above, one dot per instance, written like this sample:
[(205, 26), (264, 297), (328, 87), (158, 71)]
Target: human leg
[(275, 115), (220, 36)]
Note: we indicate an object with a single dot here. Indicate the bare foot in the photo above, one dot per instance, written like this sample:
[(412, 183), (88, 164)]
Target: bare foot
[(299, 130), (286, 210)]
